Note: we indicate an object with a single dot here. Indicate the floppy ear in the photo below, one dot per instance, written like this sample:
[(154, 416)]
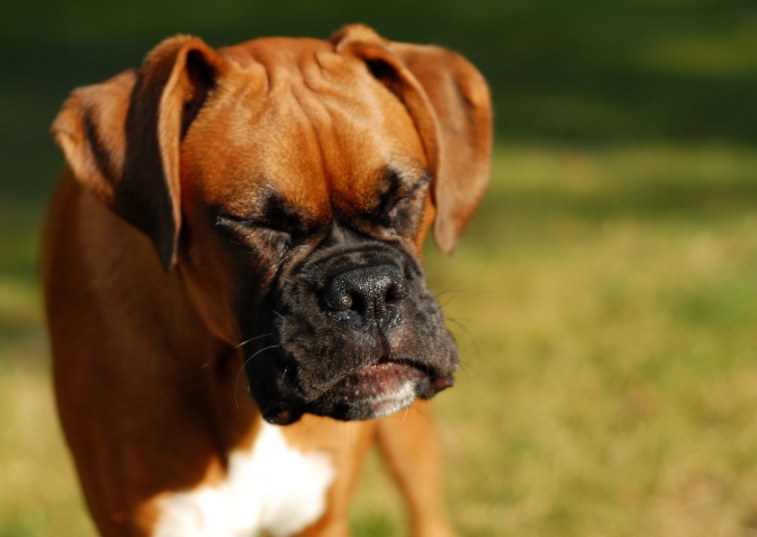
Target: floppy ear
[(449, 102), (121, 137)]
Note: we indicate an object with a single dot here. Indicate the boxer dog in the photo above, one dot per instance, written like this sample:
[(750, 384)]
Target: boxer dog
[(251, 218)]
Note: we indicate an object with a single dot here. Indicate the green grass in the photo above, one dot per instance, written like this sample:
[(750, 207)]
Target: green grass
[(612, 380), (606, 302), (605, 296)]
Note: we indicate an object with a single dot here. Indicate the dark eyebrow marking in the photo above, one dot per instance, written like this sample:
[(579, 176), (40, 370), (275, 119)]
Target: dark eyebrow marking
[(394, 189), (389, 192), (270, 210), (277, 214)]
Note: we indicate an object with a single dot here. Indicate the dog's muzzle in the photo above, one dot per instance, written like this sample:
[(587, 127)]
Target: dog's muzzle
[(357, 335)]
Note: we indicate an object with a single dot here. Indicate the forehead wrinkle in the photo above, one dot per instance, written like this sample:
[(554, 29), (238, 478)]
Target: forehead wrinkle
[(374, 123), (284, 59), (323, 103), (319, 93), (330, 130), (315, 126), (283, 157), (288, 159)]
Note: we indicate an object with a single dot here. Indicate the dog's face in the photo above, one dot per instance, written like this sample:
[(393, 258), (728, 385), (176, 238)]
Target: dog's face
[(308, 175), (316, 215)]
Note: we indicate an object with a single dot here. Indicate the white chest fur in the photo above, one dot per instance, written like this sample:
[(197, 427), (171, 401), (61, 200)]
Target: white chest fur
[(269, 490)]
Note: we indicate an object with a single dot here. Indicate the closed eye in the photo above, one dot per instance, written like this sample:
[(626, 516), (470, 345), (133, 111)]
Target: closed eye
[(225, 219), (278, 241)]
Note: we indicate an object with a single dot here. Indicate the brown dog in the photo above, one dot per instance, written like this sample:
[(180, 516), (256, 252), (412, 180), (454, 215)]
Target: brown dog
[(258, 209)]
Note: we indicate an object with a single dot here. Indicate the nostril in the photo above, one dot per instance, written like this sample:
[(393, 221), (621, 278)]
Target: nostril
[(338, 297), (391, 295), (395, 292), (357, 303)]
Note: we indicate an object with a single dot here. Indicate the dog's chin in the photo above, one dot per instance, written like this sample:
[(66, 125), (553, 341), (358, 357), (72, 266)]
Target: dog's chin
[(371, 392)]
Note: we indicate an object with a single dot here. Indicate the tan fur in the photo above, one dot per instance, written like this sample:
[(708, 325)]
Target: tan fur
[(147, 375)]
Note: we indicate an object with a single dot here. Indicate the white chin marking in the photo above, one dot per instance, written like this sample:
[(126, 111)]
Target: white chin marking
[(389, 403), (270, 489)]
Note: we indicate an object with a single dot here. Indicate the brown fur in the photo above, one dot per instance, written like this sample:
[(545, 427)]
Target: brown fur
[(147, 375)]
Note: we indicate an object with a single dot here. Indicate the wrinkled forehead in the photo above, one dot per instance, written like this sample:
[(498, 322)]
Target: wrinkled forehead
[(298, 120)]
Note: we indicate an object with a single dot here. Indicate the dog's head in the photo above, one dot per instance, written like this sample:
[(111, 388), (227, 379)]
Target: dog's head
[(290, 183)]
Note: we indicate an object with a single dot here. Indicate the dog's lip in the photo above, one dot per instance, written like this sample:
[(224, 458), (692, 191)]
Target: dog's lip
[(380, 379), (384, 366), (372, 382), (440, 384), (285, 416)]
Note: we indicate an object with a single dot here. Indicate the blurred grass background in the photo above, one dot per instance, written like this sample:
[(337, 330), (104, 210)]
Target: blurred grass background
[(605, 296)]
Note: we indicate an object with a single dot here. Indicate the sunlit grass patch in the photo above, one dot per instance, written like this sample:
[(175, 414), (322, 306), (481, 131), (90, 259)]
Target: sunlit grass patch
[(612, 380), (39, 495)]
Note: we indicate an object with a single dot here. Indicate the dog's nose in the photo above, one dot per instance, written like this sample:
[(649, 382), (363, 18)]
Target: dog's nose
[(367, 294)]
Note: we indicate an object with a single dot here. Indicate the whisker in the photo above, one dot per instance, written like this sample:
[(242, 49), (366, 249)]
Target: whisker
[(471, 361), (245, 342), (426, 415), (405, 412), (450, 299), (206, 364), (463, 327), (236, 381), (315, 423), (448, 289)]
